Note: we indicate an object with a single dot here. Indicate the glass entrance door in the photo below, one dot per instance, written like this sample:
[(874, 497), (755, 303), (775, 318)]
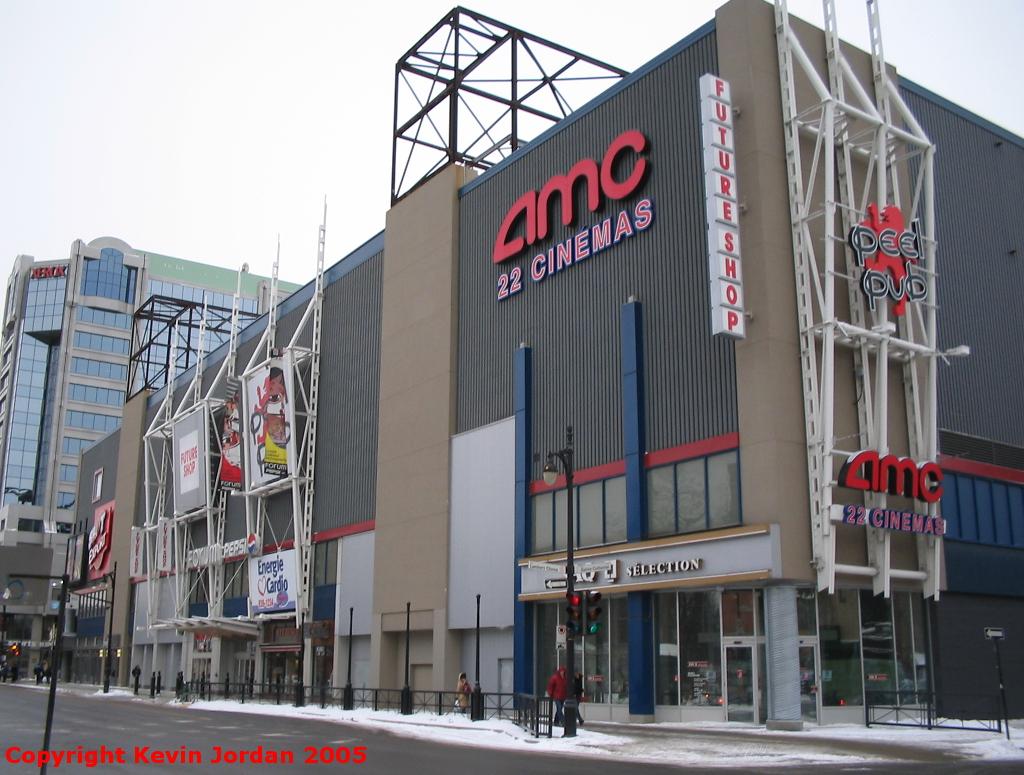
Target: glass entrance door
[(740, 694), (809, 684)]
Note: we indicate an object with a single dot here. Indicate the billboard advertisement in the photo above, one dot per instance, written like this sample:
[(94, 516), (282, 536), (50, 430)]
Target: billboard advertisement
[(75, 567), (191, 470), (272, 582), (231, 444), (271, 419), (100, 537)]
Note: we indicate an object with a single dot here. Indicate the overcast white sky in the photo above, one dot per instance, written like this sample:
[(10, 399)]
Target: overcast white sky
[(202, 129)]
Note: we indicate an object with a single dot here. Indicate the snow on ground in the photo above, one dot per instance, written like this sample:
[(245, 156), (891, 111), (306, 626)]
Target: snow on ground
[(705, 744)]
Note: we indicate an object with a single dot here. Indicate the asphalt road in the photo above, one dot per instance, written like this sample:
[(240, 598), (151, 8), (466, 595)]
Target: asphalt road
[(122, 723)]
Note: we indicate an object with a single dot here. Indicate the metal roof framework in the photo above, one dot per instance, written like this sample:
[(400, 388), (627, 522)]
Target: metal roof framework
[(472, 91), (165, 325)]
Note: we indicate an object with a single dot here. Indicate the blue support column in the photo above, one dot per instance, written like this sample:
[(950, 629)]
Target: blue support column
[(634, 437), (634, 426), (523, 612), (640, 606)]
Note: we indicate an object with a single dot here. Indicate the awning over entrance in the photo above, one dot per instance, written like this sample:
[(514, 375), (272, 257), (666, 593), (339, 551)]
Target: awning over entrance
[(215, 625)]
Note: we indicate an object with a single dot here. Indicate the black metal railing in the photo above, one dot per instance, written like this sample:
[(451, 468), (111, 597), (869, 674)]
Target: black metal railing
[(532, 713), (934, 709)]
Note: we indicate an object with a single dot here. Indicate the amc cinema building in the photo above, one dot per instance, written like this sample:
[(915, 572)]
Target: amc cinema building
[(752, 278)]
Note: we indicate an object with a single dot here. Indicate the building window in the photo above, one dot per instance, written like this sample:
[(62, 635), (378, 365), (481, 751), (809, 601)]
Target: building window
[(600, 516), (95, 395), (693, 495), (65, 500), (97, 485), (107, 276), (73, 445), (325, 563), (68, 473), (983, 511), (839, 641), (104, 369), (92, 422), (105, 317), (107, 344)]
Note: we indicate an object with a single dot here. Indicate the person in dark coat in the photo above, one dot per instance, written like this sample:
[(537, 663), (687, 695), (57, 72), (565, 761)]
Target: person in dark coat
[(558, 688), (577, 687)]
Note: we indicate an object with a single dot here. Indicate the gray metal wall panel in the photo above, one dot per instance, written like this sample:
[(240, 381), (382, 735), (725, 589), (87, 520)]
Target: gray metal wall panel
[(346, 461), (571, 319), (346, 467), (979, 183)]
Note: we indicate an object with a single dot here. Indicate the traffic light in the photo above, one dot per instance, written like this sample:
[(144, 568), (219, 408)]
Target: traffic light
[(574, 623), (591, 625)]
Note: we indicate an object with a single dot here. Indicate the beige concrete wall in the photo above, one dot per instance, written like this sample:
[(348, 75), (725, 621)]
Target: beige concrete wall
[(417, 420), (126, 498), (772, 428), (773, 450)]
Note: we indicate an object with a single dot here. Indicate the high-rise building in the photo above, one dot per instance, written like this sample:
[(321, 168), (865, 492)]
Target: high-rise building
[(66, 342)]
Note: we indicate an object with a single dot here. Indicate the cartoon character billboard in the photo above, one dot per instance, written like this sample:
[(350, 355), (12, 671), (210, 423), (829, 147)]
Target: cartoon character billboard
[(231, 444), (270, 420)]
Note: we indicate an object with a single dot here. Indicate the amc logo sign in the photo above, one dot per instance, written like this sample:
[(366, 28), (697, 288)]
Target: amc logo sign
[(42, 272), (531, 209), (893, 475)]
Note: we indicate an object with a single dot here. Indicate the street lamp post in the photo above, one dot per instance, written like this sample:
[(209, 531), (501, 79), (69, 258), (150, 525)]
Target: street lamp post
[(478, 695), (110, 631), (348, 703), (550, 476), (58, 643), (407, 690)]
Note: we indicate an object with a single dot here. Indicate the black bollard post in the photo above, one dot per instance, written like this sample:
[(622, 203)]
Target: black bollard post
[(159, 682), (152, 686), (227, 685)]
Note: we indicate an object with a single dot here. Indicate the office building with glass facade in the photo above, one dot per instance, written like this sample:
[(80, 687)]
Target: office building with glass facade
[(67, 336)]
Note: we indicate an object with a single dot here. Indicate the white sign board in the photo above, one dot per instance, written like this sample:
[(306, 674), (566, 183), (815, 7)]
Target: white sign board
[(723, 209), (272, 582)]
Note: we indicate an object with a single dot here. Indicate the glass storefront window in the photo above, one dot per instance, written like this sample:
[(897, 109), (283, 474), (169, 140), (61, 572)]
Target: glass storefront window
[(615, 510), (599, 513), (542, 537), (877, 642), (666, 644), (839, 640), (591, 514), (903, 621), (700, 648), (690, 495), (618, 672), (738, 612), (806, 611), (661, 503)]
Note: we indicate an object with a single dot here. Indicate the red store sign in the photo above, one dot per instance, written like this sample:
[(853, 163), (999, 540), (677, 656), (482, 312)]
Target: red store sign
[(42, 272)]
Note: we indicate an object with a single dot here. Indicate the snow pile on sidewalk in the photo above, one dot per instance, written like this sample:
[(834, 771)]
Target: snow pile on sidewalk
[(704, 744)]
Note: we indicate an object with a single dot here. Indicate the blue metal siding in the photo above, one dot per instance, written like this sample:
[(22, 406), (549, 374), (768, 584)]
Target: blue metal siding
[(983, 511), (323, 601)]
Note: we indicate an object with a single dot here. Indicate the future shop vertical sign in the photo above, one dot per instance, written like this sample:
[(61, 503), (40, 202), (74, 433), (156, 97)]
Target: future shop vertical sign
[(724, 267)]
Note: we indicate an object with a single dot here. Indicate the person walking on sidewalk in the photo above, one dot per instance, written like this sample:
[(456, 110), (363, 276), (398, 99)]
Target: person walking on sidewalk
[(577, 688), (558, 688), (462, 689)]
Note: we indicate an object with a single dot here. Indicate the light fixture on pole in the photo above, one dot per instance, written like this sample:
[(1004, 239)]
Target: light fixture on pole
[(565, 455)]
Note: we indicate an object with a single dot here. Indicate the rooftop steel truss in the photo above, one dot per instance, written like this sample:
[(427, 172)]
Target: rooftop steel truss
[(163, 320), (473, 90), (841, 155)]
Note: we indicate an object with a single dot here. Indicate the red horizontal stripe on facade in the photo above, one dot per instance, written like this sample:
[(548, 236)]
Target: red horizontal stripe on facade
[(651, 459), (987, 470), (340, 532), (695, 449), (606, 471)]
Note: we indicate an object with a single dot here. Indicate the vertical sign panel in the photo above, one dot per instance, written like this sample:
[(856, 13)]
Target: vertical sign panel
[(164, 545), (135, 564), (722, 202)]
